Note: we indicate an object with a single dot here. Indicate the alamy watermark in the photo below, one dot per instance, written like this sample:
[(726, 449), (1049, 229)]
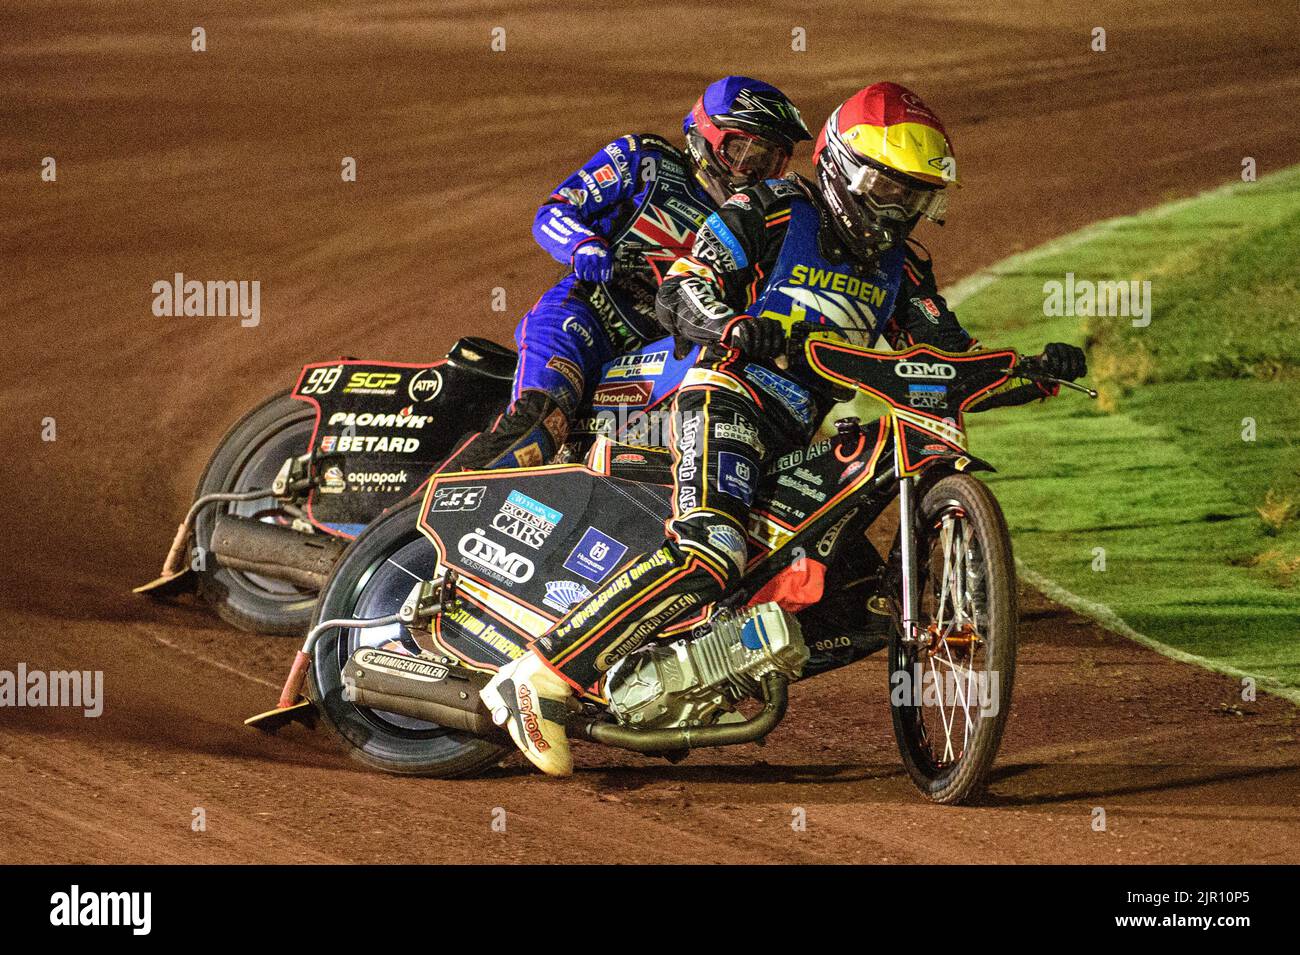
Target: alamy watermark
[(76, 908), (968, 691), (81, 689), (1086, 299), (211, 299)]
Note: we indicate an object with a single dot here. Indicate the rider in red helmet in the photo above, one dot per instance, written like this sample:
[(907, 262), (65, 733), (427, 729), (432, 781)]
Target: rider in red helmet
[(831, 253)]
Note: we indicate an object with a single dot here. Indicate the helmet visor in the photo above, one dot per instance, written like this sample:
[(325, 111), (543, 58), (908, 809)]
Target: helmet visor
[(889, 197), (750, 156)]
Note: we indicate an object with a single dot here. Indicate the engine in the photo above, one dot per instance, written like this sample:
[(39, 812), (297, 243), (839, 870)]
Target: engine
[(698, 682)]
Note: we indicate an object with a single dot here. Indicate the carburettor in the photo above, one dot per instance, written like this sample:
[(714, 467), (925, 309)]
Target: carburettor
[(697, 682)]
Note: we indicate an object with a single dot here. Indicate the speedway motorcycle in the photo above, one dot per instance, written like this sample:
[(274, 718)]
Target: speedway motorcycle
[(440, 592), (301, 475)]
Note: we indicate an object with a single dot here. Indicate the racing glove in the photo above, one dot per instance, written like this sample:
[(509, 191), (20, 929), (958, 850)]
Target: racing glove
[(592, 262), (1063, 361), (757, 338)]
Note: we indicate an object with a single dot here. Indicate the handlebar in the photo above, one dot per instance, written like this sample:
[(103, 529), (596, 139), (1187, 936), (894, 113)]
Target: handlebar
[(1030, 367)]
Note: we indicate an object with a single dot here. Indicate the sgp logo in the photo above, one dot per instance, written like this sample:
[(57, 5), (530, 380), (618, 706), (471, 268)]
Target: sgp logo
[(925, 369), (372, 379)]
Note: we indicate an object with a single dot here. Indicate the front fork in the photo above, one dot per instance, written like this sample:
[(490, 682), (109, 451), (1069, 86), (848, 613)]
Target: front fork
[(907, 551)]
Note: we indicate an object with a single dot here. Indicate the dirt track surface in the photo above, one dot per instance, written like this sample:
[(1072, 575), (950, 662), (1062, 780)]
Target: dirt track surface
[(225, 165)]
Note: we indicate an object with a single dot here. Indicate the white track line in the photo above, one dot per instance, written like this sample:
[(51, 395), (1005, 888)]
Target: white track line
[(1093, 609), (968, 286), (208, 660), (1109, 619)]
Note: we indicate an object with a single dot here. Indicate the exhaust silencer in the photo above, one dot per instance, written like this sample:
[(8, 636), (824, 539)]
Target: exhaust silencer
[(420, 687), (272, 550)]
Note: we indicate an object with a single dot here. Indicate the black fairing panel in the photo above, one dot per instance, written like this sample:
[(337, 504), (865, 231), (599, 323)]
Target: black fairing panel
[(541, 538), (382, 427)]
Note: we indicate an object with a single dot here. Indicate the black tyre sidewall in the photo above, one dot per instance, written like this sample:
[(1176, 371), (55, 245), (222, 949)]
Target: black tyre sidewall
[(452, 754), (237, 602)]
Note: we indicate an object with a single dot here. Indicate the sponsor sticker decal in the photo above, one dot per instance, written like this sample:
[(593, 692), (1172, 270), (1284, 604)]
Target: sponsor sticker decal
[(927, 396), (639, 365), (738, 429), (563, 594), (495, 559), (925, 369), (529, 456), (595, 555), (569, 371), (735, 476), (458, 498), (372, 383), (625, 393), (797, 401), (425, 385), (528, 521), (730, 541)]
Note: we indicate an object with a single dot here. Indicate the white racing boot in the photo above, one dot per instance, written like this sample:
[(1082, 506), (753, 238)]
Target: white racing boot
[(530, 701)]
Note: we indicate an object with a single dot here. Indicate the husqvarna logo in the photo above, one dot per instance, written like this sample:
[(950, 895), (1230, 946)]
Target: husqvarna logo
[(490, 555), (925, 369)]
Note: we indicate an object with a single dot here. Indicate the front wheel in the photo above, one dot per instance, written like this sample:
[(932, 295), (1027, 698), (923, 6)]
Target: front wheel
[(372, 580), (950, 691)]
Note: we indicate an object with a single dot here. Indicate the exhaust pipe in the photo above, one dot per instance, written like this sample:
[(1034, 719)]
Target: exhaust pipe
[(420, 687), (775, 697), (273, 550), (424, 688)]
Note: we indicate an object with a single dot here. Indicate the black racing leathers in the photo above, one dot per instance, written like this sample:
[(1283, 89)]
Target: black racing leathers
[(732, 417)]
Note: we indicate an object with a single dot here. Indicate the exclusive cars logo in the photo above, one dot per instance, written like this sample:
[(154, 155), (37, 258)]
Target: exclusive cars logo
[(528, 521)]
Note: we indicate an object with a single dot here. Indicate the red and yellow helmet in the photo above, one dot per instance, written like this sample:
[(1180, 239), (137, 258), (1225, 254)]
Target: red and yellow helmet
[(883, 160)]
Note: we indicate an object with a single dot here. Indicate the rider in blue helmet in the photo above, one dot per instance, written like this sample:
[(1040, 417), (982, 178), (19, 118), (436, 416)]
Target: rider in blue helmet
[(619, 223)]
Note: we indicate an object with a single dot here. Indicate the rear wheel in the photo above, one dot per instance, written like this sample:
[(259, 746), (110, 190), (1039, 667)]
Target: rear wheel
[(951, 691), (248, 458), (373, 579)]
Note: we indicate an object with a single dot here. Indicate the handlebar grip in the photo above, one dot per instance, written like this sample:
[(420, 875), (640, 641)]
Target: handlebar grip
[(1030, 366)]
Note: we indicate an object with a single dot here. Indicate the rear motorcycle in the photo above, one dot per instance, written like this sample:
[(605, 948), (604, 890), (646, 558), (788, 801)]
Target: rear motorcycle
[(438, 594), (300, 476)]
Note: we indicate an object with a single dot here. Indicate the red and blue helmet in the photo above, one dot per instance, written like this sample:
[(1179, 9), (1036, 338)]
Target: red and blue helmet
[(741, 131)]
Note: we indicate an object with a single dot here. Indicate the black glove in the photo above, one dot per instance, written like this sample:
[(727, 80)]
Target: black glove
[(1063, 361), (758, 338)]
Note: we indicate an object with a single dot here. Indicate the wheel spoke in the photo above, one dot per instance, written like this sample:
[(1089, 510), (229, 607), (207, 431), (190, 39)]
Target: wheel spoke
[(954, 616)]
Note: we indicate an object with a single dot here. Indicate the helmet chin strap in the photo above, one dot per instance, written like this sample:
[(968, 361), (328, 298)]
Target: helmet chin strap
[(716, 190), (710, 184)]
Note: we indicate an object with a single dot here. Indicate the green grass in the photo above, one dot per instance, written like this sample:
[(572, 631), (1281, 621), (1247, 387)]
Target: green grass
[(1201, 529)]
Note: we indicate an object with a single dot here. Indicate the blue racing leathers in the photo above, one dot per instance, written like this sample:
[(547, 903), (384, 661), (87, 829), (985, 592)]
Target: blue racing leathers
[(636, 206)]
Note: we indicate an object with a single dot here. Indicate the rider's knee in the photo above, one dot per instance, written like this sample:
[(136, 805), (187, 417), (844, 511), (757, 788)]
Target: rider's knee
[(529, 434), (716, 540)]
